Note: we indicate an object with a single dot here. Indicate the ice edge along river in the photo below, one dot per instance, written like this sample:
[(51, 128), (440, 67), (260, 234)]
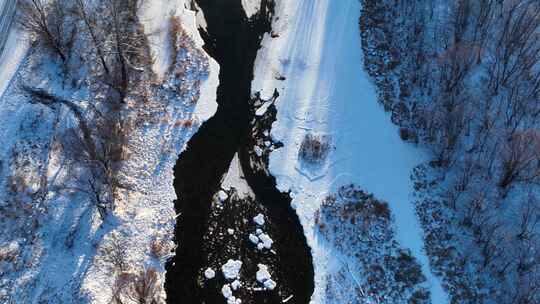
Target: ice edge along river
[(327, 91)]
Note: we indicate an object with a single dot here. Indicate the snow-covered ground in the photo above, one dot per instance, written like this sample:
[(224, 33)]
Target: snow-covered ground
[(13, 44), (327, 92), (155, 15), (157, 148), (57, 248)]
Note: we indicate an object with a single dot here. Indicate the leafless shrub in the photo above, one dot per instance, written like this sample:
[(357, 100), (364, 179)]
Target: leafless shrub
[(186, 123), (114, 253), (407, 134), (314, 148), (176, 33), (140, 287), (159, 247), (98, 145), (118, 42), (48, 21), (520, 159), (352, 205), (359, 225)]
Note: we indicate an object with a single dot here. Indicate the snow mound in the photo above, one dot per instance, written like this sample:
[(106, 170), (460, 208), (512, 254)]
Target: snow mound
[(226, 291), (259, 219), (262, 274), (231, 269), (254, 239), (236, 284), (222, 196), (270, 284), (266, 240), (209, 273)]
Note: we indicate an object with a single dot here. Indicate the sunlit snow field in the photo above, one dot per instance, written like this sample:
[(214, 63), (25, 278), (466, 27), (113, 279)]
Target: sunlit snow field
[(327, 92)]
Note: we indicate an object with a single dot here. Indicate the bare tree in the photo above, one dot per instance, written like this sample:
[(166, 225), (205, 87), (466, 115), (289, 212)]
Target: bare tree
[(520, 159), (114, 253), (128, 47), (47, 20), (529, 217), (97, 145), (90, 21)]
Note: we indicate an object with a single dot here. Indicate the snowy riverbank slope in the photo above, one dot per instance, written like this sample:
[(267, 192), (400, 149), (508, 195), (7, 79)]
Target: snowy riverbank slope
[(316, 65), (55, 247)]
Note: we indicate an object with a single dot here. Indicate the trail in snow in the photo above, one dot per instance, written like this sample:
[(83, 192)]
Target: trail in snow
[(327, 91)]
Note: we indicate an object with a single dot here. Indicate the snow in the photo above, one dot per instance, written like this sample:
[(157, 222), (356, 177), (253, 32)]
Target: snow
[(264, 277), (200, 18), (236, 284), (262, 240), (230, 231), (254, 239), (288, 299), (258, 151), (258, 231), (251, 7), (231, 269), (226, 291), (155, 16), (64, 253), (262, 109), (270, 284), (14, 51), (233, 300), (262, 274), (222, 196), (266, 240), (235, 179), (7, 9), (259, 219), (209, 273), (328, 92)]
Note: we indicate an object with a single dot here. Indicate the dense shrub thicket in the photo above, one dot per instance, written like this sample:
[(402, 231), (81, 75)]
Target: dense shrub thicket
[(360, 228)]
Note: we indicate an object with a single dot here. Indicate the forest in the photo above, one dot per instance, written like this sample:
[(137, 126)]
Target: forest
[(462, 80)]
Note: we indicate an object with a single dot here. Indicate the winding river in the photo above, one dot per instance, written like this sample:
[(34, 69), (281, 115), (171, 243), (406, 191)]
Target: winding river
[(233, 41)]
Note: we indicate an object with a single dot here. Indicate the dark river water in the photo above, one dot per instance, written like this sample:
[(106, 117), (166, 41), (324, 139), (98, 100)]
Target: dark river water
[(233, 41)]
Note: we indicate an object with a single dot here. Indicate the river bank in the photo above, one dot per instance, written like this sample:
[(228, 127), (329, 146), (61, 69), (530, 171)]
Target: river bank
[(233, 41), (327, 93)]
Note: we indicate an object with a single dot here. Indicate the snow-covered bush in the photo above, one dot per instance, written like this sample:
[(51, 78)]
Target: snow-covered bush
[(114, 253), (142, 286), (160, 247), (183, 61), (314, 148), (361, 228)]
